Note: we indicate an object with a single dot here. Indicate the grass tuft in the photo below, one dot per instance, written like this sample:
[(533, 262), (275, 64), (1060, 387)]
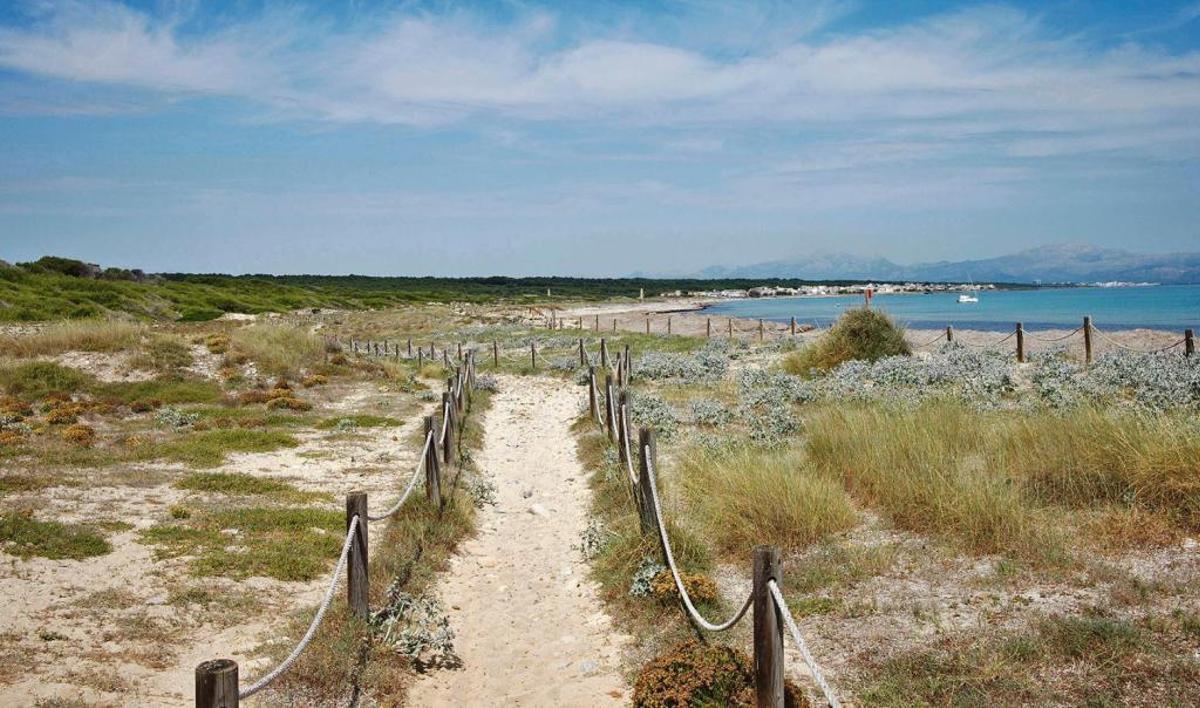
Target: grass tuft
[(23, 536), (858, 334)]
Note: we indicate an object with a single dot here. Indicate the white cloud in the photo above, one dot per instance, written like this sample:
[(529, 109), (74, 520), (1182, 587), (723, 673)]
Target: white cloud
[(992, 70)]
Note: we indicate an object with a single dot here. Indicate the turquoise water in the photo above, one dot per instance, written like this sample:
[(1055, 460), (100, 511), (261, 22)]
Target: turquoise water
[(1173, 307)]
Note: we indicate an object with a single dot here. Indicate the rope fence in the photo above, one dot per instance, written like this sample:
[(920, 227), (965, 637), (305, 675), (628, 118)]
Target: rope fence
[(217, 681)]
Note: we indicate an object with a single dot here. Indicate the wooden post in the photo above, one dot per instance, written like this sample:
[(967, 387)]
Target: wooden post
[(596, 324), (1020, 343), (460, 351), (793, 326), (448, 423), (609, 408), (1087, 340), (217, 684), (433, 477), (768, 631), (603, 353), (356, 562), (649, 522), (533, 354), (622, 424), (708, 328), (949, 333), (730, 328), (628, 367), (593, 409), (647, 324), (410, 347), (420, 359), (582, 354), (495, 354), (1189, 343), (668, 324)]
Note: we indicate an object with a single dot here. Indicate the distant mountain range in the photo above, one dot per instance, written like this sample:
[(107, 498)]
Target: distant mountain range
[(1065, 263)]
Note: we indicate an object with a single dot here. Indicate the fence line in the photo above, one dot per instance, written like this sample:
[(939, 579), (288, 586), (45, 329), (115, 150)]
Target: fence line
[(216, 681)]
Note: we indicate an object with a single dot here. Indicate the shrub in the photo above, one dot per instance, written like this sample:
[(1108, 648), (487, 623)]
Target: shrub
[(175, 418), (278, 350), (253, 396), (217, 343), (163, 354), (646, 409), (860, 333), (64, 414), (700, 588), (708, 412), (699, 674), (145, 405), (11, 438), (315, 380), (82, 435), (289, 403)]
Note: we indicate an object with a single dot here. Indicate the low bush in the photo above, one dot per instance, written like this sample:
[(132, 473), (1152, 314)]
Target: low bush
[(290, 403), (861, 333), (23, 536), (82, 435), (38, 379), (278, 350), (700, 588), (314, 380), (695, 673)]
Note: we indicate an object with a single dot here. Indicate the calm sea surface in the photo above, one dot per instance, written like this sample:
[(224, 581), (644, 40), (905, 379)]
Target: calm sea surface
[(1172, 307)]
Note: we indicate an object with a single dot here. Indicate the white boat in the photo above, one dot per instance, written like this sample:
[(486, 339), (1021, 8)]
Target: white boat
[(965, 297)]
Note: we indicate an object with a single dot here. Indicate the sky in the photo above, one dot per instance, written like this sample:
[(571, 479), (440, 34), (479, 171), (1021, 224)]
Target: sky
[(591, 137)]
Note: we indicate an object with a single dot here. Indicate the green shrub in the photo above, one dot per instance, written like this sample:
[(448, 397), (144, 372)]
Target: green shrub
[(699, 674), (860, 333), (25, 537), (37, 379)]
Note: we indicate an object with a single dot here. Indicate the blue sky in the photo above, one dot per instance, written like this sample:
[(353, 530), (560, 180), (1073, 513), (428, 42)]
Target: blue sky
[(591, 138)]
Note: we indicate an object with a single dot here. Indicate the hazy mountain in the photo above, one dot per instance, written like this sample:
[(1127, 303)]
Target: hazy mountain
[(1065, 263)]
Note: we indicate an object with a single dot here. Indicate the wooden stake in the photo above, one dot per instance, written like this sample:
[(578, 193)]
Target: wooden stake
[(949, 333), (533, 354), (356, 562), (649, 522), (768, 631), (708, 327), (217, 684), (1020, 343), (760, 330), (1087, 340), (495, 354), (1189, 343), (603, 353), (433, 477), (793, 326), (668, 325), (582, 354)]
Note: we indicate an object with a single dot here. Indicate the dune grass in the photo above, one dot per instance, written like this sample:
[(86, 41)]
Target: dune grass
[(83, 336), (278, 350), (858, 334), (210, 448), (36, 379), (1001, 483), (747, 496)]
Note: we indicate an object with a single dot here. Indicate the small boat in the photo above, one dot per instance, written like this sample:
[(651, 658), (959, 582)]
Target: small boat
[(966, 297)]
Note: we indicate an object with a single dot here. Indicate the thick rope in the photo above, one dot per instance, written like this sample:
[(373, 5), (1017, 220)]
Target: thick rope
[(1104, 335), (445, 424), (666, 542), (312, 627), (830, 696), (932, 341), (411, 483), (993, 344), (1068, 335)]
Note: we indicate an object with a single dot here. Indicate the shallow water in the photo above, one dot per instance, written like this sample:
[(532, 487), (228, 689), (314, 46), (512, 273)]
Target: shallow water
[(1172, 307)]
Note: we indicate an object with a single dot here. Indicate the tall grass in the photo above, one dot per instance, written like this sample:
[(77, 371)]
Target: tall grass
[(84, 336), (993, 480), (927, 470), (748, 496), (278, 350), (858, 334)]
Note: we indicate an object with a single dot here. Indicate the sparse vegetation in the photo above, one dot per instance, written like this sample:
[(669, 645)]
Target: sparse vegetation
[(859, 334), (23, 536)]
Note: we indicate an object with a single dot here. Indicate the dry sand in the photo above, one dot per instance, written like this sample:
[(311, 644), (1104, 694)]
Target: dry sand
[(530, 628)]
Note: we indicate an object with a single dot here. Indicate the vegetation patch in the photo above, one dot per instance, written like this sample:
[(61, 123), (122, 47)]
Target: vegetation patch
[(209, 448), (861, 334), (23, 536), (38, 379), (238, 483), (361, 420), (285, 543), (695, 673)]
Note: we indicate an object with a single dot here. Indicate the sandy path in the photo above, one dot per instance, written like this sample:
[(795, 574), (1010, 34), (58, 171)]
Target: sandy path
[(530, 629)]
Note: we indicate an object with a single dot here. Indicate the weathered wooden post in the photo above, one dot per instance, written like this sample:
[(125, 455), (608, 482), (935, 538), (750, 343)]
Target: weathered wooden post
[(533, 354), (1087, 339), (460, 351), (582, 353), (649, 520), (614, 324), (449, 424), (730, 323), (433, 477), (1189, 343), (410, 347), (593, 408), (708, 327), (609, 408), (949, 333), (356, 561), (603, 353), (668, 324), (760, 330), (1020, 343), (793, 326), (217, 684), (622, 425), (420, 359), (768, 631), (647, 324), (596, 324), (446, 358)]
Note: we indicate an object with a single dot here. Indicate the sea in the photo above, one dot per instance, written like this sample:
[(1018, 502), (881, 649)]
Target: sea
[(1167, 307)]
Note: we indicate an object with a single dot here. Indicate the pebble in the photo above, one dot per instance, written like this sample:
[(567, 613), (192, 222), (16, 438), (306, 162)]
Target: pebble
[(538, 510)]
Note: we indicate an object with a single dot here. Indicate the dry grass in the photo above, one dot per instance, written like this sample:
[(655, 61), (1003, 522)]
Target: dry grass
[(278, 350), (748, 496), (84, 336), (858, 334)]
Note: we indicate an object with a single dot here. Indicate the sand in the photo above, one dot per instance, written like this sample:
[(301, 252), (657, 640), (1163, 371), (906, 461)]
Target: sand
[(530, 627)]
